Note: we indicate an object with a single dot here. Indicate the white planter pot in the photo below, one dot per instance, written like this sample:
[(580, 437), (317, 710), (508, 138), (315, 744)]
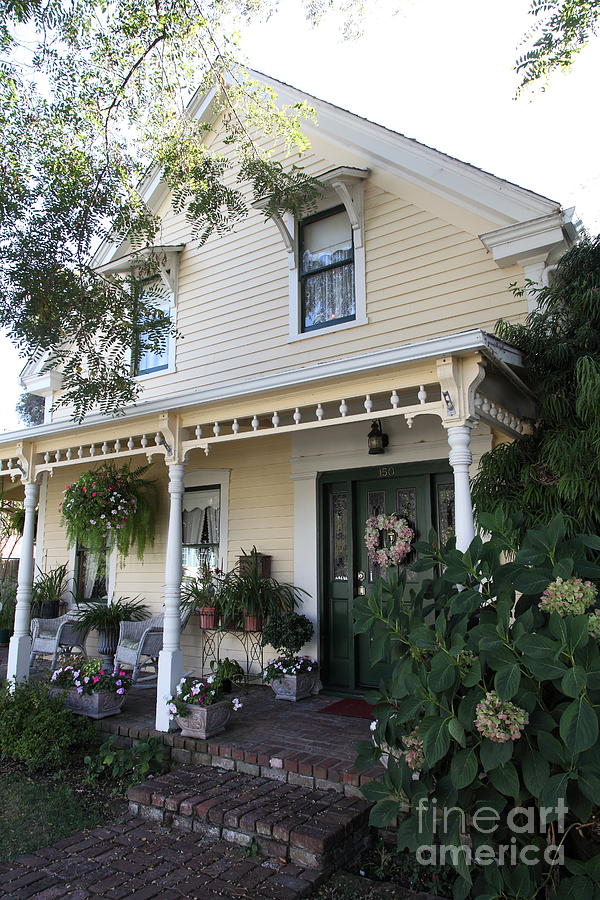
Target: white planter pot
[(204, 721), (297, 687), (97, 705)]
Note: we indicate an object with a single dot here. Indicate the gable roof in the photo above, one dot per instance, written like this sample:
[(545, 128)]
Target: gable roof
[(459, 192)]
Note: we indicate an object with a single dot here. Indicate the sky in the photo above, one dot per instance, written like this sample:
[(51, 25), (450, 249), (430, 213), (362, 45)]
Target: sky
[(440, 72)]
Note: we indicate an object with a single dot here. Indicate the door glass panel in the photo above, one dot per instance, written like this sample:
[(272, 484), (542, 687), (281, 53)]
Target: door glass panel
[(445, 512), (406, 508), (339, 536), (375, 507)]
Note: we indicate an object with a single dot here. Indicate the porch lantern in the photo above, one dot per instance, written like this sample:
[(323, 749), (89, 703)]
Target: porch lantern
[(377, 441)]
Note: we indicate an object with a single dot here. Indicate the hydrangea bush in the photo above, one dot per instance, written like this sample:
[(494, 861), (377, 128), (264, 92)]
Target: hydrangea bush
[(493, 698), (89, 676), (199, 692)]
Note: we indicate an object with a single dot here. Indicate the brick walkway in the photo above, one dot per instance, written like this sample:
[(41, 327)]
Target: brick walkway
[(138, 861)]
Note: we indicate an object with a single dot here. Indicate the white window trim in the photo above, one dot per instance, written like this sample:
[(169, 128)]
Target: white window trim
[(204, 478), (348, 184)]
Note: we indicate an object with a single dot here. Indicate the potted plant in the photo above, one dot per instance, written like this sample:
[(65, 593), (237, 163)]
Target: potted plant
[(255, 596), (228, 672), (7, 613), (106, 619), (89, 688), (110, 507), (48, 591), (292, 677), (201, 595), (200, 707)]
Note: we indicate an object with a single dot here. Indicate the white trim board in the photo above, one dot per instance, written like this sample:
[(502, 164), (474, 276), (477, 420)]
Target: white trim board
[(460, 342)]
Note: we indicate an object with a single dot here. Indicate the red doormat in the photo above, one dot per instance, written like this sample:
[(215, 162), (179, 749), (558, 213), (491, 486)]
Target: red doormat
[(350, 706)]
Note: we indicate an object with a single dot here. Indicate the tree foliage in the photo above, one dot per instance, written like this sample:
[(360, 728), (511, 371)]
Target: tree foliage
[(557, 468), (92, 96), (30, 409), (562, 29)]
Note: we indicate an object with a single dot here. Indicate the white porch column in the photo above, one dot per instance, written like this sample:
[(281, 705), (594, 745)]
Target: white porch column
[(460, 456), (170, 659), (20, 643)]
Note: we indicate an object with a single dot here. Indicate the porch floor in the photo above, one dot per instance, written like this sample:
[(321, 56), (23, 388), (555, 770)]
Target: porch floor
[(292, 742)]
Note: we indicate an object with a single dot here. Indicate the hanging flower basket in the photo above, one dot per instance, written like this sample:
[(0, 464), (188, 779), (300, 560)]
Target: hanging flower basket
[(110, 507), (388, 540)]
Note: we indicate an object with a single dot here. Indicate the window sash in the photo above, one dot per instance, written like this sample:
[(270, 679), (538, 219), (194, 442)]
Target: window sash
[(307, 277)]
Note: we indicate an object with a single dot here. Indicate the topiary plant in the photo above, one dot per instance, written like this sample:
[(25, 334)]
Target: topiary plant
[(287, 633), (493, 701)]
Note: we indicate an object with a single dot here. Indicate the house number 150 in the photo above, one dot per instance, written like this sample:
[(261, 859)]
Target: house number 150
[(386, 471)]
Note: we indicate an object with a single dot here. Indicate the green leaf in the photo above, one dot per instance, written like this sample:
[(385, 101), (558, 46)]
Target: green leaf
[(507, 681), (563, 568), (457, 732), (554, 790), (473, 676), (537, 646), (463, 768), (383, 813), (443, 672), (493, 754), (574, 682), (531, 582), (505, 779), (535, 771), (375, 790), (590, 540), (546, 670), (577, 888), (579, 726), (551, 748), (577, 631), (436, 740), (589, 785)]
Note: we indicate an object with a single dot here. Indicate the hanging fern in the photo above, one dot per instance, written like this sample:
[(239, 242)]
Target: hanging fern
[(557, 468), (110, 507)]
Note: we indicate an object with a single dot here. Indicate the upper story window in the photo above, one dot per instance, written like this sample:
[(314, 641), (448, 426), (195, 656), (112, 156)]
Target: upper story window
[(160, 359), (326, 257), (327, 270)]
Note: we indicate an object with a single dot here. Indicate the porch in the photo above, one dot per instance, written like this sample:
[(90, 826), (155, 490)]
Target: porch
[(439, 402), (288, 742)]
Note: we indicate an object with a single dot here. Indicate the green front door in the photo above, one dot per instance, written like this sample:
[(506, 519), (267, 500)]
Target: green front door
[(422, 497)]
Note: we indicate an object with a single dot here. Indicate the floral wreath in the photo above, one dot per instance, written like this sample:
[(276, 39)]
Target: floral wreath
[(399, 544)]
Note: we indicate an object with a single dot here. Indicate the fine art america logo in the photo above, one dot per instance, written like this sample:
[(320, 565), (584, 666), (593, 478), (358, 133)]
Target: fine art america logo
[(520, 821)]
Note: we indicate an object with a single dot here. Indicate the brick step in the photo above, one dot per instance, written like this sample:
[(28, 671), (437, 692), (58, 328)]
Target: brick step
[(316, 829)]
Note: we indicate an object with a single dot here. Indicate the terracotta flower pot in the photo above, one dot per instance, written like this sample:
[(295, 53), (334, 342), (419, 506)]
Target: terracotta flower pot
[(97, 705), (296, 687), (204, 721), (208, 617), (253, 623)]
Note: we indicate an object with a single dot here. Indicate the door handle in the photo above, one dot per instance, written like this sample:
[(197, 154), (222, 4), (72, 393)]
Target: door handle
[(360, 577)]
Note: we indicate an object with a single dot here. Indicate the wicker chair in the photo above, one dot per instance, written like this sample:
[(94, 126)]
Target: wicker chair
[(139, 645), (49, 637)]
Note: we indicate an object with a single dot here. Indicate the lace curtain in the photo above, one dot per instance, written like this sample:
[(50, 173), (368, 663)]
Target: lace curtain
[(201, 525)]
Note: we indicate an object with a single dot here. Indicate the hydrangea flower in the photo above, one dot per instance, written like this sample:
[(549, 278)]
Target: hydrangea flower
[(594, 624), (570, 597), (414, 754), (499, 720)]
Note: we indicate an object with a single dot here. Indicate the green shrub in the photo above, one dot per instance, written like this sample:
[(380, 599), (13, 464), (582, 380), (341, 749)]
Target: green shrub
[(494, 700), (127, 765), (287, 633), (38, 731)]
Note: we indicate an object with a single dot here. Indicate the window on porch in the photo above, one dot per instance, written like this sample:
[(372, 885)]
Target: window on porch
[(201, 528)]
